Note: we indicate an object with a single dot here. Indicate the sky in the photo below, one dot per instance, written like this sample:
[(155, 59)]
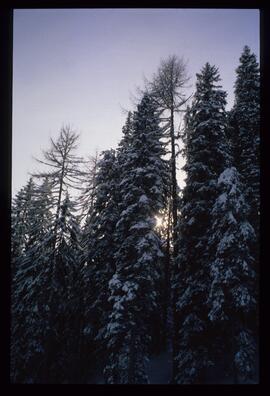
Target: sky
[(82, 66)]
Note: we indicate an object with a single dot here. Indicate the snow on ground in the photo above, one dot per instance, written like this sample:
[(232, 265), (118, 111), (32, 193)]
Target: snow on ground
[(160, 371), (160, 368)]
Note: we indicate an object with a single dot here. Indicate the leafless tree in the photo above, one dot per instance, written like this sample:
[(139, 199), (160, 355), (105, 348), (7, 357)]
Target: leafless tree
[(167, 88), (64, 167)]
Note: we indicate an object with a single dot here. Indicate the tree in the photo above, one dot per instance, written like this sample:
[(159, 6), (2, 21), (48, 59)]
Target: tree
[(245, 140), (245, 130), (206, 158), (47, 279), (20, 219), (66, 299), (132, 287), (87, 194), (28, 287), (232, 292), (100, 249), (64, 173), (167, 88)]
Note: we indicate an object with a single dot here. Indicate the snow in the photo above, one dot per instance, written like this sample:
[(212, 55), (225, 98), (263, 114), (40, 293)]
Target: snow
[(143, 199), (227, 176), (159, 370), (140, 225)]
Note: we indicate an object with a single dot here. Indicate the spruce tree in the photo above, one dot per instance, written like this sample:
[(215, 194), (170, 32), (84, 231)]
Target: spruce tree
[(100, 248), (132, 287), (245, 131), (245, 139), (232, 292), (205, 151), (28, 319), (20, 219)]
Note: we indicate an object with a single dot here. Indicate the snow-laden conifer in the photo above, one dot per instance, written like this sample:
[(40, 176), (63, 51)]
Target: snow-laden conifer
[(232, 291), (100, 248), (206, 158), (132, 287)]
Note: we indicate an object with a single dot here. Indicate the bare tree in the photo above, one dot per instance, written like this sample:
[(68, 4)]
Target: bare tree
[(167, 89), (64, 173)]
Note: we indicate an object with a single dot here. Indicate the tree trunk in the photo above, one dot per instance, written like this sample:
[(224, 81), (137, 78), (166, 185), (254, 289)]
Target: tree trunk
[(174, 239), (167, 274)]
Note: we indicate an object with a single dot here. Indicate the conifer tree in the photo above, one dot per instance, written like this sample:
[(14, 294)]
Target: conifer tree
[(132, 287), (206, 158), (100, 249), (245, 130), (245, 139), (232, 292), (28, 319), (47, 270), (20, 219)]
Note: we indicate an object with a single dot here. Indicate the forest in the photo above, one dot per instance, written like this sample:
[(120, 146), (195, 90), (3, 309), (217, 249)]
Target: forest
[(113, 264)]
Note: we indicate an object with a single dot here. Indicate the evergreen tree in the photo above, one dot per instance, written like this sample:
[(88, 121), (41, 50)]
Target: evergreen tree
[(206, 157), (132, 287), (245, 131), (66, 300), (231, 298), (245, 140), (99, 254), (48, 271), (20, 219), (28, 288)]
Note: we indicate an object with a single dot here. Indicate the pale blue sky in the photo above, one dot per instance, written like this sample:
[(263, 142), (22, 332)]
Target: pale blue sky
[(80, 67)]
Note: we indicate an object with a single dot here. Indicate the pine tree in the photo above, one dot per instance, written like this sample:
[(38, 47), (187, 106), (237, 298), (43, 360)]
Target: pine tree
[(206, 158), (132, 287), (231, 297)]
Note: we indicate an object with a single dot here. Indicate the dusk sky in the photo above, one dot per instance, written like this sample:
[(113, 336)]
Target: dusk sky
[(80, 67)]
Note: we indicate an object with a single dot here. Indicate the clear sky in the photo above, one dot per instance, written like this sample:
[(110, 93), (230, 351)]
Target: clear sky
[(80, 67)]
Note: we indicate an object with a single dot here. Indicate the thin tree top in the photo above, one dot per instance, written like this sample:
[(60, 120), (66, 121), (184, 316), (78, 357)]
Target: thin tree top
[(168, 83)]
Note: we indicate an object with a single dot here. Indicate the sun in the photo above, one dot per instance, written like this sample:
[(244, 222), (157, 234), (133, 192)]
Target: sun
[(159, 221)]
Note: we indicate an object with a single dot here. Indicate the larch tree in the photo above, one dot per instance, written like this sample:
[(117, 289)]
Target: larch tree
[(64, 172), (167, 89), (132, 286), (206, 158)]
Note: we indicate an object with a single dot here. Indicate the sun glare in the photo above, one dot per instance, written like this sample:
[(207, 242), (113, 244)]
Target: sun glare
[(159, 221)]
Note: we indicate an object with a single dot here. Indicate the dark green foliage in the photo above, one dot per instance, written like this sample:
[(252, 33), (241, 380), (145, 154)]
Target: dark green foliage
[(205, 158), (132, 287)]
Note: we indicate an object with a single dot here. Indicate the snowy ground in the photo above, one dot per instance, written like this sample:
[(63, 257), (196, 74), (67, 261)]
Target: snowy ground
[(160, 371), (160, 368)]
